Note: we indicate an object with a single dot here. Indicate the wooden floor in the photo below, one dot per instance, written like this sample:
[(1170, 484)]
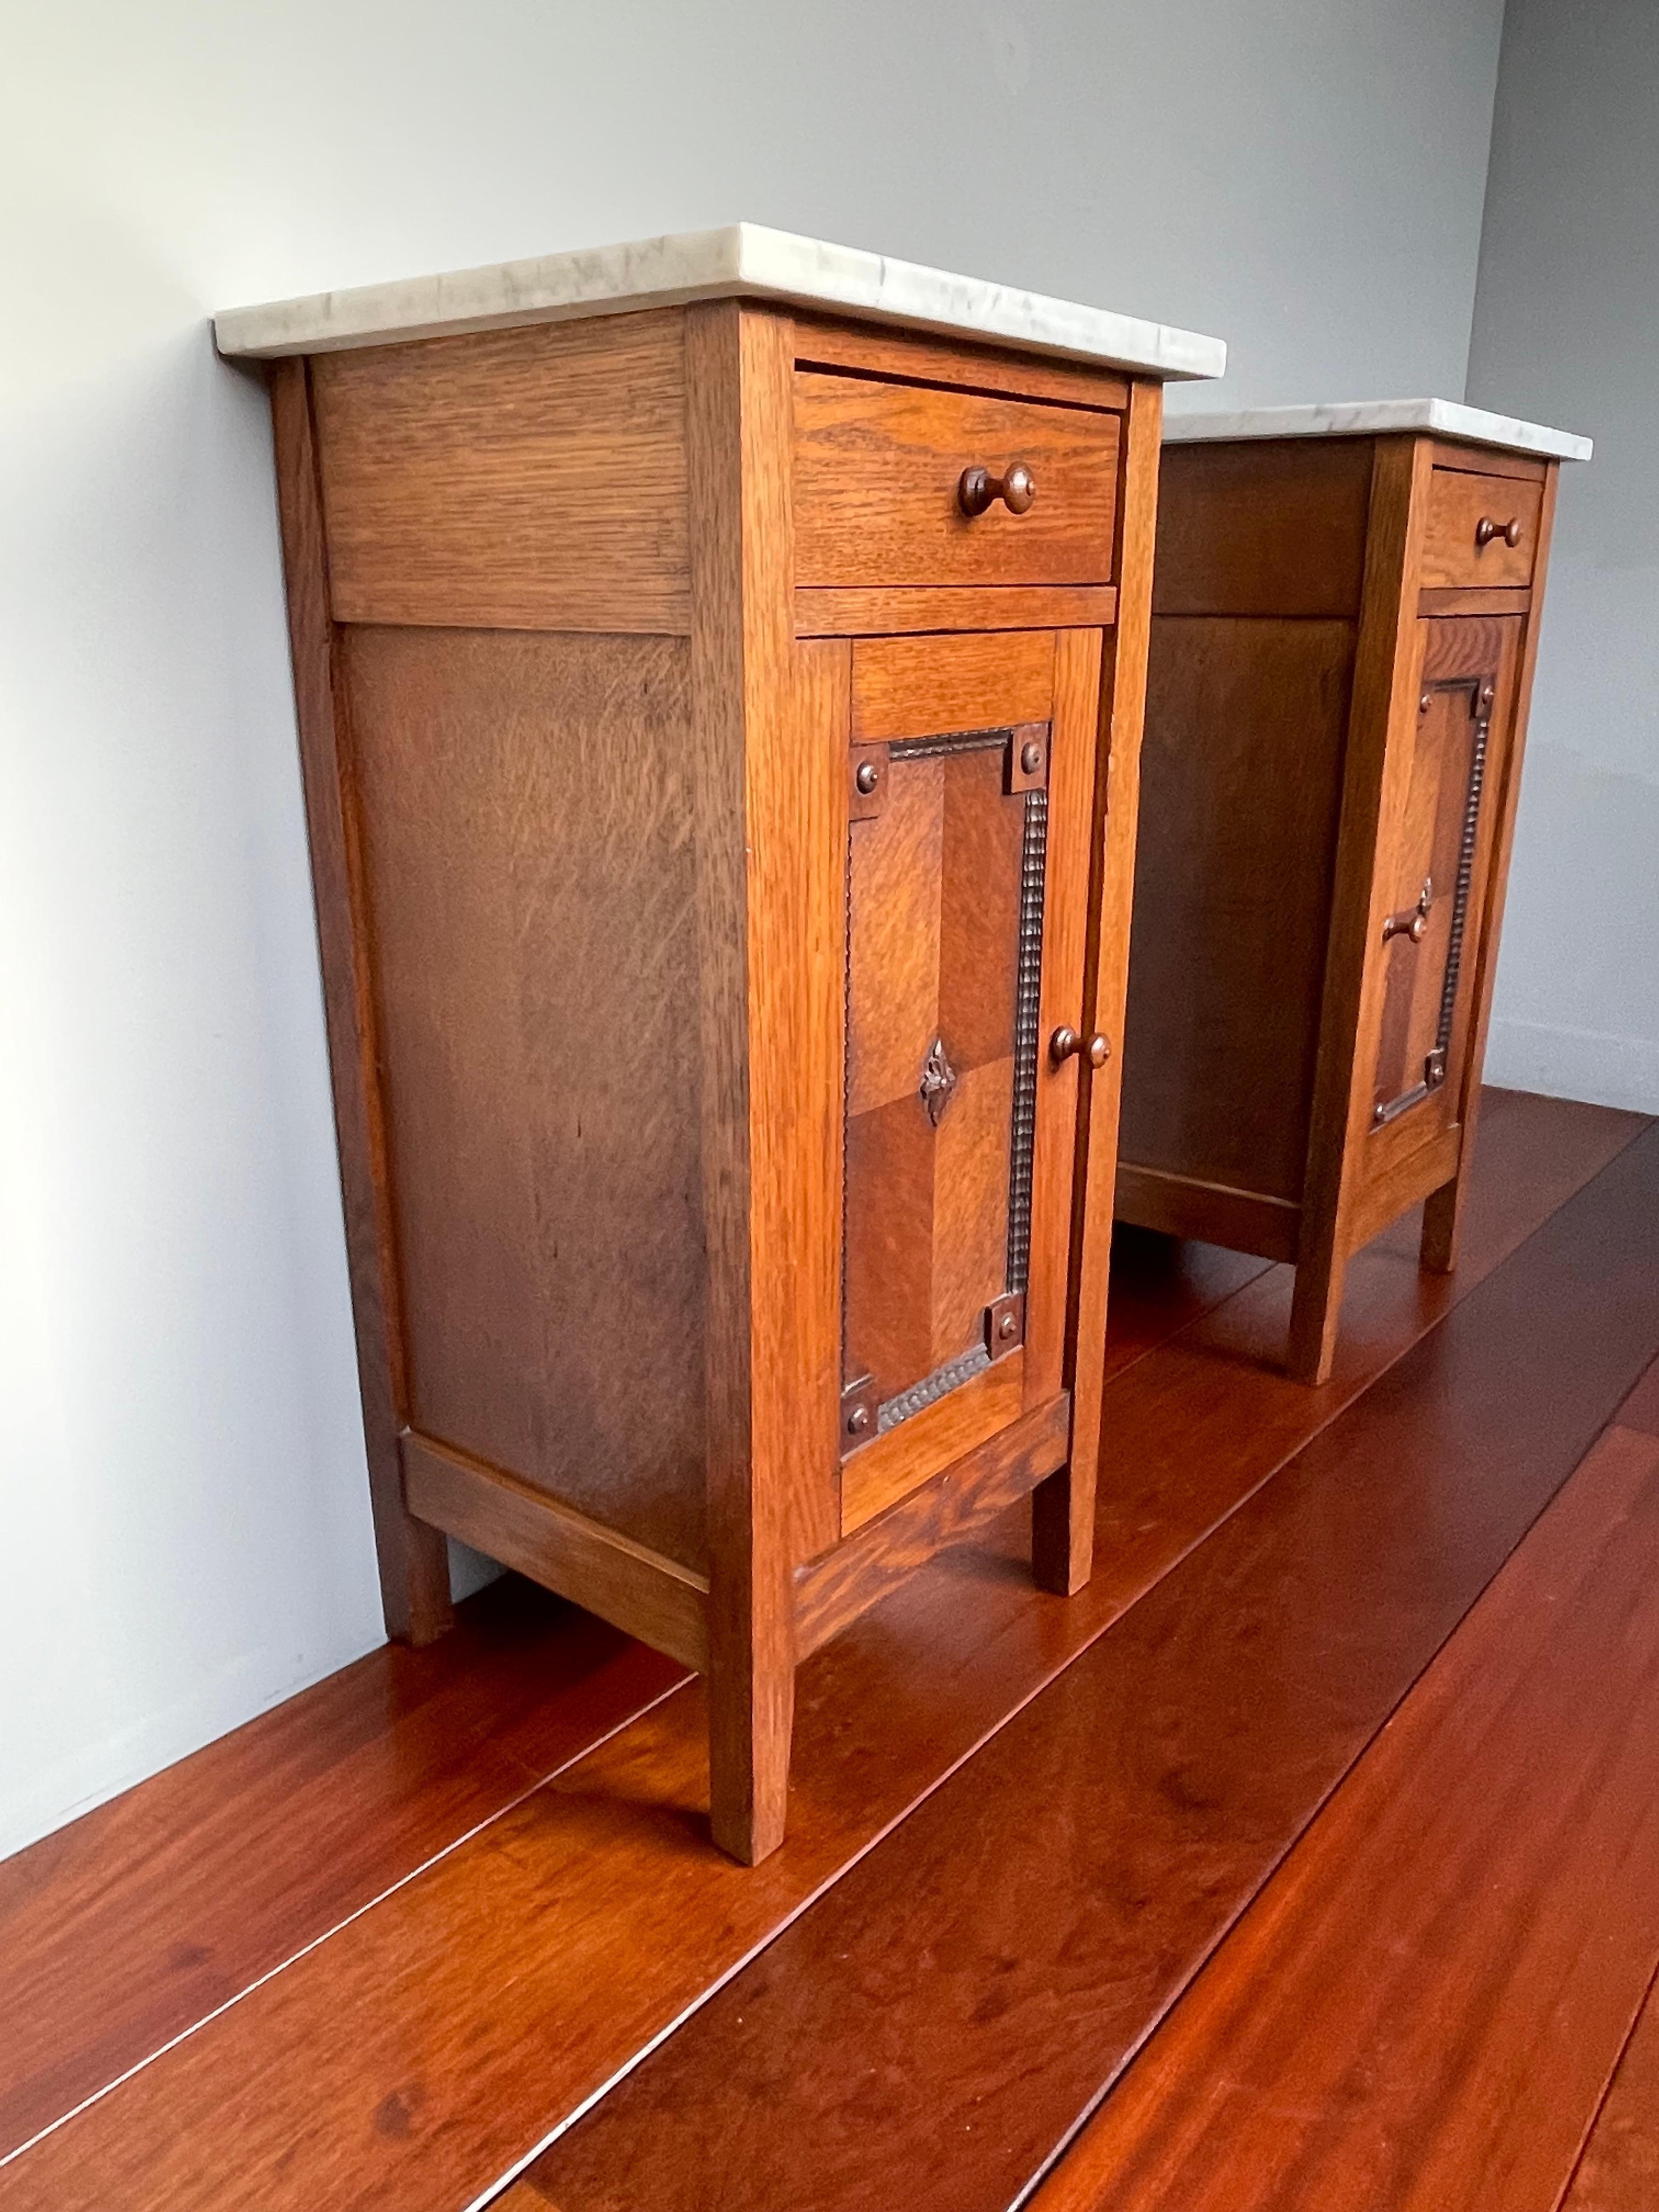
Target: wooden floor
[(1309, 1860)]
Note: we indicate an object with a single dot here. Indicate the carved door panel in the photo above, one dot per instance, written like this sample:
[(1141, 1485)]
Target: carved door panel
[(1435, 860), (961, 939)]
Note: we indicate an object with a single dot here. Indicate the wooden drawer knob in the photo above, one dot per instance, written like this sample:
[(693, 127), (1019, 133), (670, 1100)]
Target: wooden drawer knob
[(977, 489), (1067, 1042), (1486, 529)]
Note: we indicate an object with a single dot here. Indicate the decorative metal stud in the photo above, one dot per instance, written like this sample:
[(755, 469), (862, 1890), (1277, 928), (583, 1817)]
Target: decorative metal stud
[(938, 1081), (1027, 766), (1005, 1324), (860, 1417), (866, 784)]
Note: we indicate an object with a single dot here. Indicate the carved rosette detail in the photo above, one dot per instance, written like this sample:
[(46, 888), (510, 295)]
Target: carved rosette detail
[(938, 1081)]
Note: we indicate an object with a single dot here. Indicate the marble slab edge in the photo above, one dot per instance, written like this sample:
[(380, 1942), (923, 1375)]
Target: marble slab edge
[(743, 261), (1445, 418)]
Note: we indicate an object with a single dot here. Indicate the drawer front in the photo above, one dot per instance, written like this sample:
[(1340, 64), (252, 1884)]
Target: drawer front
[(1480, 530), (878, 468)]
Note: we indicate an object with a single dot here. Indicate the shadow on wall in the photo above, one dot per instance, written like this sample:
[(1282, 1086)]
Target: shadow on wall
[(1580, 934)]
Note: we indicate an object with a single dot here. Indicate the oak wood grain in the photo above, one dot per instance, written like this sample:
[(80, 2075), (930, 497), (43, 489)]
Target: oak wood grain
[(877, 466), (880, 1474), (1458, 500), (910, 357), (1469, 601), (873, 612), (1069, 1185), (1189, 1205), (1242, 772), (742, 701), (530, 478), (1062, 1526), (1443, 1214), (1490, 461), (1282, 723), (1382, 717), (530, 911), (1424, 2008), (916, 687), (414, 1565), (663, 1603), (872, 1560), (1420, 838), (1006, 1951), (1264, 527), (1406, 1165), (388, 2064)]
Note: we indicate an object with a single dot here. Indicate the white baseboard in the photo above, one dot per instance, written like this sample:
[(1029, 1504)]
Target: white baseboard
[(1564, 1063)]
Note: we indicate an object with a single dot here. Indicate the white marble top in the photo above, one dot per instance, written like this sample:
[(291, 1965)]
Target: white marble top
[(1447, 418), (742, 260)]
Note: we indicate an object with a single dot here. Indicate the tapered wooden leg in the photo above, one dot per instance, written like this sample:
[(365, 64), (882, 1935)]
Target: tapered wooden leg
[(414, 1571), (1443, 1227), (1063, 1530), (751, 1711), (1315, 1309)]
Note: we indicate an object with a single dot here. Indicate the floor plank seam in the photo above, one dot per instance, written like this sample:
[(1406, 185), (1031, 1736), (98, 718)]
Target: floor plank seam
[(1590, 1424), (1600, 2104), (369, 1904), (1496, 1254), (496, 2189), (1269, 1873)]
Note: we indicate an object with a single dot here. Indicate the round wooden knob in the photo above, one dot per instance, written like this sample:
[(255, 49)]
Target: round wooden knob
[(1018, 489), (1488, 528), (1065, 1041), (978, 489)]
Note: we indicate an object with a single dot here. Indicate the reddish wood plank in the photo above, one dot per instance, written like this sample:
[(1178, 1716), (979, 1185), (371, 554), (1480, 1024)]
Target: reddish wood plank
[(130, 1925), (1424, 2006), (952, 2005), (1160, 1284), (1641, 1409), (1618, 2169), (588, 1920)]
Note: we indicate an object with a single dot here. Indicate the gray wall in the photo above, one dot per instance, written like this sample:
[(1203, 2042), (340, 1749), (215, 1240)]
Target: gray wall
[(182, 1483), (1566, 329)]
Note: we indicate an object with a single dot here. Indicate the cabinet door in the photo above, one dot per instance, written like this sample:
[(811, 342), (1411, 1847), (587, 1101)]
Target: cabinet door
[(1435, 860), (970, 775)]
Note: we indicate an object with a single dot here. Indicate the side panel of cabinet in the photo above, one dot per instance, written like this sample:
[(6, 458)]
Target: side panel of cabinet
[(527, 479), (525, 814), (962, 938), (1241, 783)]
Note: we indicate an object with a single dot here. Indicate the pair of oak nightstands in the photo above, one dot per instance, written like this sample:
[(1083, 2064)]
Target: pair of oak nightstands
[(721, 666)]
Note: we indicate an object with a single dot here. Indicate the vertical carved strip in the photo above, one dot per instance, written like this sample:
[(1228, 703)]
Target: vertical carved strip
[(1027, 1006), (1483, 696)]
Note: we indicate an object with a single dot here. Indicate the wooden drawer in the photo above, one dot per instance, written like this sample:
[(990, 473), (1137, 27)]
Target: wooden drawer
[(877, 470), (1471, 521)]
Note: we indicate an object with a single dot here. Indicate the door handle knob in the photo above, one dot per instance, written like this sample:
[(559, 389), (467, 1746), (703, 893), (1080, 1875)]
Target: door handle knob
[(1066, 1043), (1414, 922)]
